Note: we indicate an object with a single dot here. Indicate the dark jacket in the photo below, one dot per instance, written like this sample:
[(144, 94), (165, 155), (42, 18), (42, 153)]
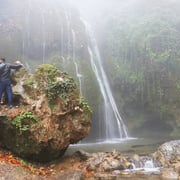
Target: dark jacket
[(5, 70)]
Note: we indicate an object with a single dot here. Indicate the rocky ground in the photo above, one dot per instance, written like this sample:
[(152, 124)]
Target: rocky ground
[(12, 167), (83, 165)]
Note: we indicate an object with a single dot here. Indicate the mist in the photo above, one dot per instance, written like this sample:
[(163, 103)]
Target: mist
[(138, 43), (93, 9)]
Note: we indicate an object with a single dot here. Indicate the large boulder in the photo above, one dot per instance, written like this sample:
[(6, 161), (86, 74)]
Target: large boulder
[(168, 154), (48, 116)]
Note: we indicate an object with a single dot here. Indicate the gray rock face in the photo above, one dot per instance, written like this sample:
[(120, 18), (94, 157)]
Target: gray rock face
[(107, 162), (50, 115), (168, 153)]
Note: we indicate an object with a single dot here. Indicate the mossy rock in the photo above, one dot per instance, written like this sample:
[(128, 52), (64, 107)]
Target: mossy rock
[(50, 116)]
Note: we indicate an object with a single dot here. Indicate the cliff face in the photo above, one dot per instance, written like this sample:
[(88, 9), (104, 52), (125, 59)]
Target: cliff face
[(49, 116)]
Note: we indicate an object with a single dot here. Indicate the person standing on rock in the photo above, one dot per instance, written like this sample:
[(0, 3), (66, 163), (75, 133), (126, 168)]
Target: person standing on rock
[(5, 79), (3, 93)]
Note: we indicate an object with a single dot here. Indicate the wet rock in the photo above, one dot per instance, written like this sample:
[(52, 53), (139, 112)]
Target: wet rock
[(74, 175), (143, 162), (169, 173), (114, 165), (105, 176), (107, 162), (50, 115), (82, 154), (168, 154)]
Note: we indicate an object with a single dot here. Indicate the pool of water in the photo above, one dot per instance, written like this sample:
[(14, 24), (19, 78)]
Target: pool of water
[(141, 146)]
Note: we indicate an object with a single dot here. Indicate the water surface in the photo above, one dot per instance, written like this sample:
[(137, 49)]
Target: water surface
[(141, 146)]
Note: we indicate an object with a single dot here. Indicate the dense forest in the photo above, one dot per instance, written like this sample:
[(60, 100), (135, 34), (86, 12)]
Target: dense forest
[(141, 49), (139, 42)]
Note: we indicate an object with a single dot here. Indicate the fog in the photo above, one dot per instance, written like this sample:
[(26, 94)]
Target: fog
[(98, 12), (137, 40), (101, 8), (93, 10)]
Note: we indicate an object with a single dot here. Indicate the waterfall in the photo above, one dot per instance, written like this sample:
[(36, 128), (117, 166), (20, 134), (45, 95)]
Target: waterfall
[(62, 46), (71, 44), (145, 164), (112, 123), (68, 33), (79, 76), (26, 31), (43, 38)]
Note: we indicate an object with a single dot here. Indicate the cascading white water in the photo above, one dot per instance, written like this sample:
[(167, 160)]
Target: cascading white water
[(68, 33), (43, 37), (145, 164), (71, 41), (26, 32), (112, 122), (79, 76)]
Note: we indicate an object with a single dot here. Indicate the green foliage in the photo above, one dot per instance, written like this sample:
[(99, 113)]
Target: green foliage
[(45, 74), (24, 121), (84, 105), (62, 89), (141, 53), (54, 84)]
